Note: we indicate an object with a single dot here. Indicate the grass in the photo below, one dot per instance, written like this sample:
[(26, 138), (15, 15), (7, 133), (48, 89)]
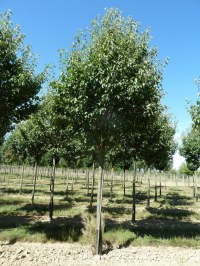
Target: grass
[(173, 220)]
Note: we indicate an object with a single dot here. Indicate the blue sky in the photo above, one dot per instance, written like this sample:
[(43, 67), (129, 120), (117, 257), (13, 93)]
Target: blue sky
[(51, 25)]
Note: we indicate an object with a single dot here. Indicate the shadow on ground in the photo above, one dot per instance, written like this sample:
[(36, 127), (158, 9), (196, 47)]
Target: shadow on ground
[(60, 229), (157, 228), (174, 199)]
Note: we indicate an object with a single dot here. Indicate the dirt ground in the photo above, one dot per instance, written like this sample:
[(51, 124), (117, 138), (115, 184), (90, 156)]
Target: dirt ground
[(60, 254)]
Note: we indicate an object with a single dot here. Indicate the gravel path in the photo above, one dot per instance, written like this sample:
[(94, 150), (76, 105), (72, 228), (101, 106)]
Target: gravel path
[(60, 254)]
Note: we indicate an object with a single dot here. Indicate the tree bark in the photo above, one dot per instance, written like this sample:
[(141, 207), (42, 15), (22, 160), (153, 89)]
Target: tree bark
[(34, 183), (99, 206), (99, 198), (148, 192), (124, 178), (92, 189), (52, 180), (111, 183), (9, 175), (22, 178), (133, 195), (156, 193), (160, 189)]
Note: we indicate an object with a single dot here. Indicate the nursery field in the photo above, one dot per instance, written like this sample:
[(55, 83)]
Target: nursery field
[(167, 213)]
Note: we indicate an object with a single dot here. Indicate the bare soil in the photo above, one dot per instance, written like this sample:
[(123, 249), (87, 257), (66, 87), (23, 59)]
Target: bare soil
[(60, 254)]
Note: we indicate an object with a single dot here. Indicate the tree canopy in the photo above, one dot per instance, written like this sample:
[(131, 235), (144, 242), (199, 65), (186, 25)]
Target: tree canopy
[(195, 109), (190, 149), (19, 85), (110, 85)]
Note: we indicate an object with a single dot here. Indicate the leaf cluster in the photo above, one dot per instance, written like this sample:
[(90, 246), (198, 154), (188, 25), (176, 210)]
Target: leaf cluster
[(19, 85)]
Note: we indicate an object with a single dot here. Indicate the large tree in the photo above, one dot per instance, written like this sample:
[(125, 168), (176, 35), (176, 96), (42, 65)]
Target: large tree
[(110, 86), (19, 85)]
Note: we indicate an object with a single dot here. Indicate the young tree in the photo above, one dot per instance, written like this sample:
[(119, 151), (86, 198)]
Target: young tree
[(110, 87), (19, 85)]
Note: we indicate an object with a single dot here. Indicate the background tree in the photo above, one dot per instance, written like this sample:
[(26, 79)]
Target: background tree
[(158, 146), (195, 109), (19, 85), (190, 149), (183, 169)]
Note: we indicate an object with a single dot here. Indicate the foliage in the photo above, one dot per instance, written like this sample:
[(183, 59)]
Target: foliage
[(110, 86), (27, 140), (195, 109), (190, 149), (19, 85), (158, 146), (14, 147), (183, 169)]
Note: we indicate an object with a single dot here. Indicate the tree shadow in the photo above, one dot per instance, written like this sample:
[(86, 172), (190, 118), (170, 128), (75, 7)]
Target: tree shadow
[(16, 191), (174, 199), (166, 228), (9, 201), (60, 229), (157, 228), (115, 211), (170, 213), (56, 193), (42, 209), (13, 221), (128, 199)]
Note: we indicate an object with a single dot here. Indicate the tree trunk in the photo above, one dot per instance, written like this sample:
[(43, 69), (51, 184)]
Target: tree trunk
[(194, 190), (133, 195), (68, 176), (160, 189), (18, 170), (92, 189), (99, 206), (76, 180), (87, 181), (5, 174), (99, 197), (34, 183), (156, 193), (9, 175), (72, 182), (124, 178), (148, 192), (111, 184), (51, 205), (196, 196), (21, 182)]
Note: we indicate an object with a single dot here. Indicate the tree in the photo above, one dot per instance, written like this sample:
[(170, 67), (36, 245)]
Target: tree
[(19, 85), (14, 150), (190, 149), (27, 140), (110, 87), (183, 169), (195, 109), (158, 146)]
